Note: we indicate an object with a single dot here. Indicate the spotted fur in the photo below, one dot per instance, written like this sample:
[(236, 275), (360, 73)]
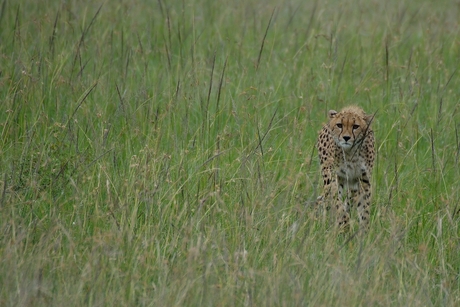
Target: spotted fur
[(346, 151)]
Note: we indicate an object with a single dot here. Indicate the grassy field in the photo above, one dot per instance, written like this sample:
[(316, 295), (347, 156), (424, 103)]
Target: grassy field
[(161, 153)]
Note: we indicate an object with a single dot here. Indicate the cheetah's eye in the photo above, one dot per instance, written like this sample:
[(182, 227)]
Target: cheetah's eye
[(355, 127), (339, 126)]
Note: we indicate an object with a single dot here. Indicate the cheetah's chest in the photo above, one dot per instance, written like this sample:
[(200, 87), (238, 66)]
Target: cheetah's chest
[(351, 170)]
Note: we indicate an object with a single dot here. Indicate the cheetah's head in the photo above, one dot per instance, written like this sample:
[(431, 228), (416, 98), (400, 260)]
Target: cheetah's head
[(349, 126)]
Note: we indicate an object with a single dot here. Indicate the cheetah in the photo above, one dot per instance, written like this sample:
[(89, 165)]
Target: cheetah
[(346, 152)]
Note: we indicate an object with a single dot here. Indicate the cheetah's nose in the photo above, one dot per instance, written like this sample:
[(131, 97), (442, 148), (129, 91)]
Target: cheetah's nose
[(346, 138)]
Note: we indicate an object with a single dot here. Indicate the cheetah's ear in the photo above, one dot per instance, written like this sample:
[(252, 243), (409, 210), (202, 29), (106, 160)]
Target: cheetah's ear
[(369, 118), (332, 113)]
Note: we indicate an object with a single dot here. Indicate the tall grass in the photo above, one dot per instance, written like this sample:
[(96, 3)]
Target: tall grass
[(161, 153)]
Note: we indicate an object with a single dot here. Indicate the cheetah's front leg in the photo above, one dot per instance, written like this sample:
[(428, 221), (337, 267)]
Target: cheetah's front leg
[(362, 199), (342, 207)]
